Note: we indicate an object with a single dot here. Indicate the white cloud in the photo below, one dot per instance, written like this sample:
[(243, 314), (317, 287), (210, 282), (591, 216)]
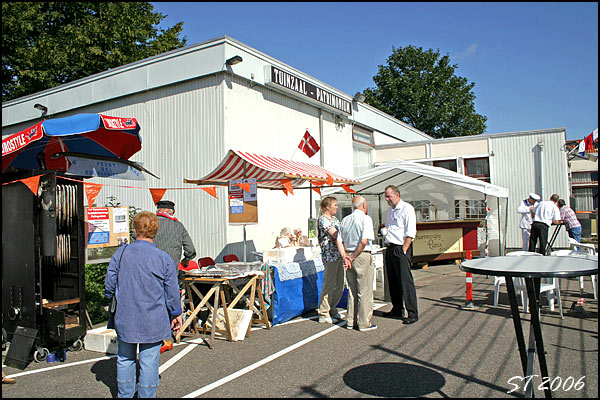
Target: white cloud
[(469, 51)]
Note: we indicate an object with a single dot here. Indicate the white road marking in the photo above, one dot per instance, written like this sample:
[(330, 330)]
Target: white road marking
[(264, 361)]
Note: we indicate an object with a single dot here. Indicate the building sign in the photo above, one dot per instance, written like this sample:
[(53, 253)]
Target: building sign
[(280, 78), (438, 241)]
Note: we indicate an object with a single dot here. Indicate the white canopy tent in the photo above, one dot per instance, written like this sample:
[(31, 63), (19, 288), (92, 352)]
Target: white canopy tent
[(441, 195)]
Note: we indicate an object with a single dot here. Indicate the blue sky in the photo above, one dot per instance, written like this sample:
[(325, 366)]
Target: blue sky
[(534, 65)]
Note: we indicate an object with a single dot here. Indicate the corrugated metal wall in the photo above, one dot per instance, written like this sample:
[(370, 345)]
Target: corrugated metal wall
[(182, 137), (514, 166)]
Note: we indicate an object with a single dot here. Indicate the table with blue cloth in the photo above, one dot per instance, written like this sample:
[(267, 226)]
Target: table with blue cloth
[(297, 288)]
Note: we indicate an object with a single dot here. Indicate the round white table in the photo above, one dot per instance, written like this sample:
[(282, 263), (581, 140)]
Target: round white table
[(532, 268)]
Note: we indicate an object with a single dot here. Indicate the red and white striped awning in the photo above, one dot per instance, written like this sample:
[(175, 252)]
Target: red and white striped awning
[(268, 171)]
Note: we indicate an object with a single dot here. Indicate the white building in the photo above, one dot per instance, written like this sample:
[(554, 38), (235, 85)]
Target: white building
[(196, 103), (523, 162)]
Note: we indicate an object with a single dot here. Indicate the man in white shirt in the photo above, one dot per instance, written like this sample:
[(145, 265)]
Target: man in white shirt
[(401, 229), (525, 209), (545, 214), (354, 243)]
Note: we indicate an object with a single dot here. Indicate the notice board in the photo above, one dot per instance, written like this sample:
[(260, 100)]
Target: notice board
[(243, 205), (107, 226)]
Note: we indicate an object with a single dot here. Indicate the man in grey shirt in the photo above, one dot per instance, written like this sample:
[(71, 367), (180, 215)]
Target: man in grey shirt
[(356, 234), (172, 235)]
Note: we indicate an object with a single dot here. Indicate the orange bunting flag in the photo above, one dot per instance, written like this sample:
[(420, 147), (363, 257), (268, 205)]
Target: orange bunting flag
[(329, 180), (318, 190), (211, 190), (347, 189), (318, 183), (285, 191), (91, 191), (157, 194), (32, 183), (244, 186), (288, 185)]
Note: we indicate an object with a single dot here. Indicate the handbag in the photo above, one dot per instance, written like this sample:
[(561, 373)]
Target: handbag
[(112, 303)]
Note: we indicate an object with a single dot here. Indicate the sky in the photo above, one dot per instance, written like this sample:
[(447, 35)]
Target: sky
[(534, 65)]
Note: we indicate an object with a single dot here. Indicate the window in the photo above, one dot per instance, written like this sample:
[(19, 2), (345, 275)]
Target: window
[(478, 168), (586, 199), (421, 209), (363, 135), (469, 209), (448, 164), (585, 177)]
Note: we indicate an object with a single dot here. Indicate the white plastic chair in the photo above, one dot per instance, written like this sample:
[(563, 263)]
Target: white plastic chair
[(551, 286), (584, 248), (377, 254), (519, 283)]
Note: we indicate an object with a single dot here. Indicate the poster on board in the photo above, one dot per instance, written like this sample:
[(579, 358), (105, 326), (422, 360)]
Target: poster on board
[(107, 226), (242, 204)]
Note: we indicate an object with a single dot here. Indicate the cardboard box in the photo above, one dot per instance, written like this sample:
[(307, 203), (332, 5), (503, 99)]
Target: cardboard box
[(101, 340)]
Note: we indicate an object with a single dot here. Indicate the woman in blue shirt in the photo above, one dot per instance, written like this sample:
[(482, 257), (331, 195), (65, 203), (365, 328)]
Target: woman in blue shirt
[(144, 279)]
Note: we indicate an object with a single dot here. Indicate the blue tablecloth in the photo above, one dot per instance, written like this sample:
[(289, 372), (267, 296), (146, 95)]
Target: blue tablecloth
[(297, 288)]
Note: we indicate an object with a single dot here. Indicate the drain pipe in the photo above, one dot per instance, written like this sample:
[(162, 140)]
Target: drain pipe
[(540, 170)]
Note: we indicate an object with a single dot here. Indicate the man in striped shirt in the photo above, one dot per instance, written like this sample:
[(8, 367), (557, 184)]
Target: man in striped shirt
[(172, 235), (570, 219)]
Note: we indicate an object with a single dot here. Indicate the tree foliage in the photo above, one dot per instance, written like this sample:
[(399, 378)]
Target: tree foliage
[(419, 87), (46, 44)]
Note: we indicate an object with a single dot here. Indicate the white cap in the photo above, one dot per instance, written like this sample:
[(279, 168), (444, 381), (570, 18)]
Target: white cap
[(534, 196)]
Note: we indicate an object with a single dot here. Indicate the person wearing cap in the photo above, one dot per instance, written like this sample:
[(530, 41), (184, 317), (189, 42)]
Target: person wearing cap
[(525, 209), (545, 214), (172, 235)]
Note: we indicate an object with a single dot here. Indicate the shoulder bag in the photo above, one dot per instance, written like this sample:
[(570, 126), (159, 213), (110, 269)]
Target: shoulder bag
[(112, 304)]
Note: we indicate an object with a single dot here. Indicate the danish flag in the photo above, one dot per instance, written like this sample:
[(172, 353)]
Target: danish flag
[(308, 145)]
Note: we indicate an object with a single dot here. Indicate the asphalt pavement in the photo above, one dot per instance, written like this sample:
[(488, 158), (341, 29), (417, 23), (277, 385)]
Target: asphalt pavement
[(449, 352)]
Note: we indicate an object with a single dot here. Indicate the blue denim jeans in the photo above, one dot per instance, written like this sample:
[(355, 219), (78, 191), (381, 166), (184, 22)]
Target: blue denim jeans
[(126, 369), (575, 233)]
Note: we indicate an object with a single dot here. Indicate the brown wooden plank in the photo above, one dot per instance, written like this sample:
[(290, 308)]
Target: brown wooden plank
[(61, 303)]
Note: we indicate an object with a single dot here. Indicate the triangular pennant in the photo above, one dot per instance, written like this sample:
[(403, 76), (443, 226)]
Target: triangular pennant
[(211, 190), (347, 189), (91, 191), (318, 183), (244, 186), (288, 185), (32, 183), (318, 190), (157, 194), (285, 191), (329, 180)]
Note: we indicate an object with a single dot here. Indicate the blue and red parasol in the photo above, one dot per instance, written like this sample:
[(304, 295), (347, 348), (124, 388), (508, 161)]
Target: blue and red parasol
[(47, 144)]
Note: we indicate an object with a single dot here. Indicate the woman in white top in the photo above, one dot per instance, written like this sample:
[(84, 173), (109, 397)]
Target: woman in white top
[(285, 238)]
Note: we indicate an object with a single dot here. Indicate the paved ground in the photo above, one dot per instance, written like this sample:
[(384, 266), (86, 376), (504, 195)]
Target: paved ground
[(450, 352)]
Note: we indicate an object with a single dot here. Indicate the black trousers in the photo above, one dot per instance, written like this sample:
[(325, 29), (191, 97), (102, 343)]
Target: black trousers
[(400, 280), (539, 231)]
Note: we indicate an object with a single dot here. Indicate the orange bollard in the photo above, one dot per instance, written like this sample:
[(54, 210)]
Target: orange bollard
[(469, 304)]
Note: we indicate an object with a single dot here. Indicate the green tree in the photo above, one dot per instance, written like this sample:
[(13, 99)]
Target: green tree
[(45, 44), (419, 87)]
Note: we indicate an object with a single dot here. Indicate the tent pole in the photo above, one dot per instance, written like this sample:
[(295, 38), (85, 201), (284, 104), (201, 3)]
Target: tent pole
[(310, 202), (500, 251), (245, 224)]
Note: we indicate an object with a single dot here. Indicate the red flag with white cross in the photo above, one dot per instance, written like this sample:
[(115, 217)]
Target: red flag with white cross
[(308, 145)]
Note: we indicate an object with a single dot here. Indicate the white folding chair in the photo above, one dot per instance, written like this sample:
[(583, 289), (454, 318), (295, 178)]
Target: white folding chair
[(583, 248), (518, 282)]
